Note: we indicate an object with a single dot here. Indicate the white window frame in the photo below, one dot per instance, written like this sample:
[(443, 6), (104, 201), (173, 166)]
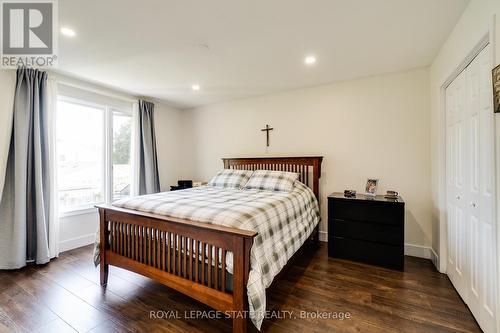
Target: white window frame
[(107, 153), (109, 147)]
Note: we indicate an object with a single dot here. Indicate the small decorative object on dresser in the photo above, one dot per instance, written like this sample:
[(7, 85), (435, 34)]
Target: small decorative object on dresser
[(496, 88), (371, 186), (349, 193), (369, 230), (391, 195)]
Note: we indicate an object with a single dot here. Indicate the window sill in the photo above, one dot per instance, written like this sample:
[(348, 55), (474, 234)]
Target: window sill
[(78, 211)]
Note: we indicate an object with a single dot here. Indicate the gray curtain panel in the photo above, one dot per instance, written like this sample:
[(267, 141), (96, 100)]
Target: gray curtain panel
[(149, 179), (25, 201)]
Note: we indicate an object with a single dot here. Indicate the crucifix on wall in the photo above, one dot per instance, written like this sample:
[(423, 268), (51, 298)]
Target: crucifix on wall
[(267, 130)]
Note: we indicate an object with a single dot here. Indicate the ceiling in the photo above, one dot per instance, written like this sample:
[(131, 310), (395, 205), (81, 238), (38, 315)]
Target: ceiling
[(236, 49)]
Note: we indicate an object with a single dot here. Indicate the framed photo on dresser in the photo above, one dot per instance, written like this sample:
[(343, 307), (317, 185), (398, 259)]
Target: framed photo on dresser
[(371, 187)]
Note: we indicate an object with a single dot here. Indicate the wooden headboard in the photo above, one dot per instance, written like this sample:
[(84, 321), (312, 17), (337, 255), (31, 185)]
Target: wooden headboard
[(308, 168)]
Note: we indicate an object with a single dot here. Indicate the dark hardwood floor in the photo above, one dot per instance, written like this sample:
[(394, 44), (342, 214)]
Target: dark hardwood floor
[(65, 296)]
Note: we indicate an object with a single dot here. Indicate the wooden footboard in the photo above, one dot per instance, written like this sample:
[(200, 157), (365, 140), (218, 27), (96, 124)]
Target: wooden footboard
[(169, 250)]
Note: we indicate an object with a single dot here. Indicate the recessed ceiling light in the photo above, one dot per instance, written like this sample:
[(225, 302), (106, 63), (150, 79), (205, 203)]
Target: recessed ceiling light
[(68, 32), (310, 60), (195, 87)]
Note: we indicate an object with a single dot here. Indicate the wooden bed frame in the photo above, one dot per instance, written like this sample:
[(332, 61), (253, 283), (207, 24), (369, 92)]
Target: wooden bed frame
[(146, 244)]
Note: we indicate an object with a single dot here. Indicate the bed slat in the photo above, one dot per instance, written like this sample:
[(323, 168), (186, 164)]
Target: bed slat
[(216, 266), (203, 263), (196, 258), (184, 254), (209, 267), (223, 269)]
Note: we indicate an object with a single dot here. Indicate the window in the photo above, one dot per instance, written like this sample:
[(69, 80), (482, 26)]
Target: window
[(94, 154), (122, 148)]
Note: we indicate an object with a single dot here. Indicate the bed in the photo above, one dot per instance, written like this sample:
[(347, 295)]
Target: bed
[(200, 241)]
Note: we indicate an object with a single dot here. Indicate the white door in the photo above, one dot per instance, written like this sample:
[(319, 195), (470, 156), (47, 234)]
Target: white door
[(456, 183), (471, 236)]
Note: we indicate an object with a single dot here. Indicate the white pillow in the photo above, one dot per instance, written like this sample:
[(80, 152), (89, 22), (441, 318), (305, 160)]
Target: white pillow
[(231, 178), (272, 180)]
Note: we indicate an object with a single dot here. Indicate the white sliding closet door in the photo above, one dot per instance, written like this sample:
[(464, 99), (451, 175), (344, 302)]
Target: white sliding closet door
[(470, 189), (456, 178)]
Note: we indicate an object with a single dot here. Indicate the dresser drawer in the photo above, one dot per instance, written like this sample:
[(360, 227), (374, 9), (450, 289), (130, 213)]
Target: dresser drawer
[(369, 231), (366, 211), (368, 252)]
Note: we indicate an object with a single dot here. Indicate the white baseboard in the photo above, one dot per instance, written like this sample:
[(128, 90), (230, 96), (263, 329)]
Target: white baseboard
[(410, 249), (435, 259), (76, 242), (425, 252), (418, 251)]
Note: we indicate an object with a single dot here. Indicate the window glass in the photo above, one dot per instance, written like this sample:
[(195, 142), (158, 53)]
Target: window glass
[(122, 147), (80, 155)]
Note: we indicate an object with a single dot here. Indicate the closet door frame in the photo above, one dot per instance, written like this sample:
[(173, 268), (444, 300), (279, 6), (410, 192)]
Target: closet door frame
[(442, 260)]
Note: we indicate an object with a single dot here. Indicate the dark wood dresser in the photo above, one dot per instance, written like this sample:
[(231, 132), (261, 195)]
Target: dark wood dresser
[(367, 229)]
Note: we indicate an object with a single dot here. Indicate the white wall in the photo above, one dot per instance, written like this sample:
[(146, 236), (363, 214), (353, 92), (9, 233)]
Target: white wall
[(372, 127), (168, 143), (476, 21)]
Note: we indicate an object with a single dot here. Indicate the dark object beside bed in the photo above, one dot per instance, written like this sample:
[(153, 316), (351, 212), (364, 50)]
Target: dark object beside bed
[(181, 185), (370, 230)]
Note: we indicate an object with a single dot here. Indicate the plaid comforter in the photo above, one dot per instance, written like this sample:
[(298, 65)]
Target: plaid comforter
[(283, 220)]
